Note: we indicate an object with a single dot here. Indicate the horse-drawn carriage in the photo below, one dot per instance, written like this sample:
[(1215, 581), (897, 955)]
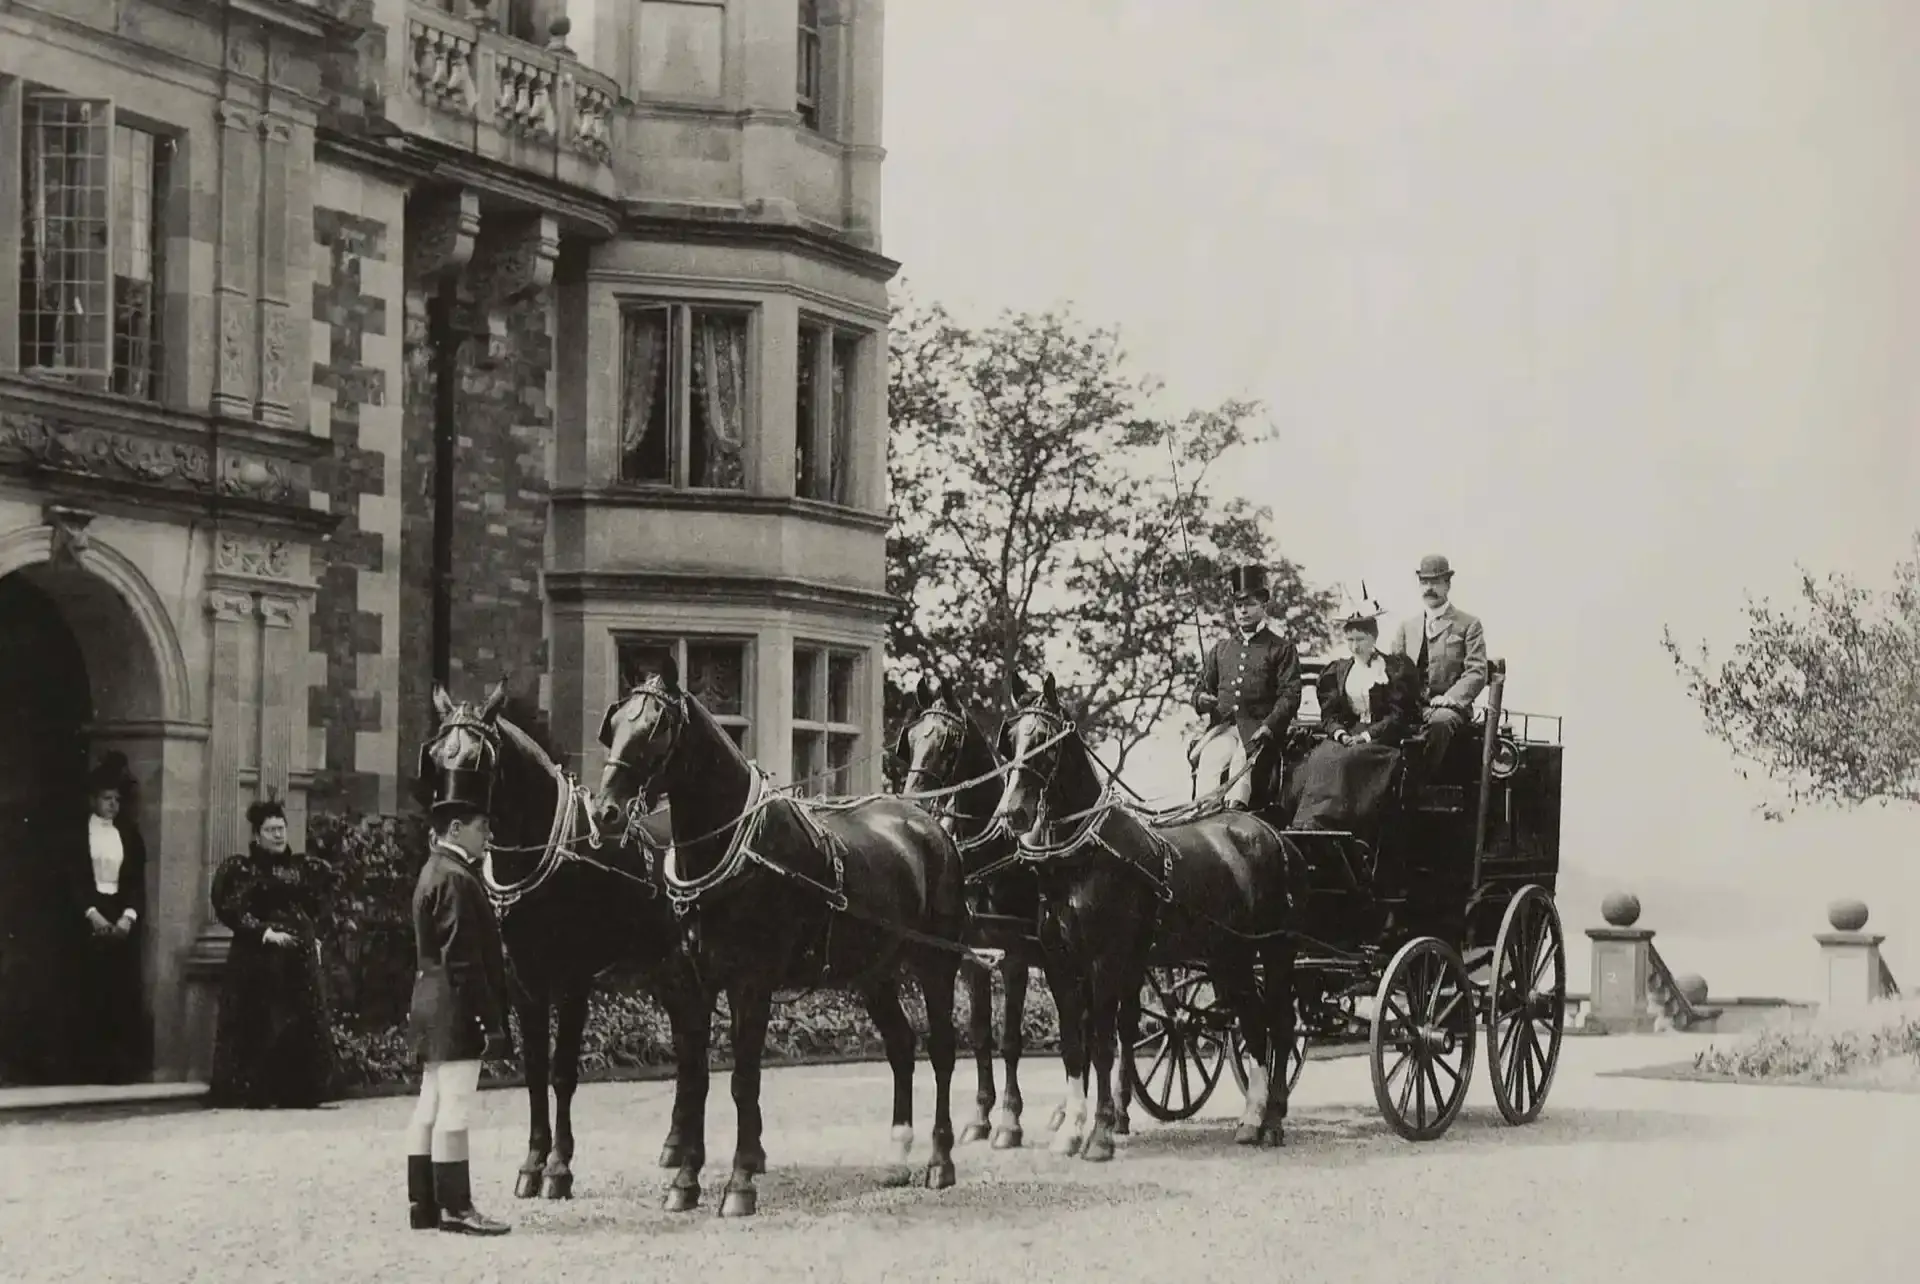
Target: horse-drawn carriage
[(1484, 949)]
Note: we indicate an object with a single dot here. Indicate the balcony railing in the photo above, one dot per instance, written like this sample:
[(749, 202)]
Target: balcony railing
[(465, 69)]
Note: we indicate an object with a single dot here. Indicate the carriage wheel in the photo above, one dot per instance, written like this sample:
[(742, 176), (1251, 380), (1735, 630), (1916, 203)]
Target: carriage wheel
[(1423, 1039), (1296, 1056), (1176, 1061), (1526, 1005)]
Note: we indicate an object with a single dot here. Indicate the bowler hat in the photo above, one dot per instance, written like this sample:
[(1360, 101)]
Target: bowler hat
[(1248, 581), (1434, 566)]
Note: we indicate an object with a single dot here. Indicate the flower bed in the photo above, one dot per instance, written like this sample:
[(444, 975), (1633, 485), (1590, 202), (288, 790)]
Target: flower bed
[(1882, 1045)]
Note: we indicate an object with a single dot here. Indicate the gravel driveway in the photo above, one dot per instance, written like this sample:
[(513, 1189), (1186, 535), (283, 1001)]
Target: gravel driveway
[(1620, 1178)]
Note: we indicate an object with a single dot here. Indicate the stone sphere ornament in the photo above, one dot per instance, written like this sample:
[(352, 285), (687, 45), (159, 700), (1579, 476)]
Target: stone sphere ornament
[(1847, 915), (1692, 987), (1621, 909)]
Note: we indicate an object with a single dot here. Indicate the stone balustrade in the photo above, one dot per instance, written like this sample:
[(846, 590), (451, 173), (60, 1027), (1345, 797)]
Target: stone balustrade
[(527, 105)]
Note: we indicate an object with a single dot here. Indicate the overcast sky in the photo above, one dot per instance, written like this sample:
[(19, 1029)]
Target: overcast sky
[(1614, 304)]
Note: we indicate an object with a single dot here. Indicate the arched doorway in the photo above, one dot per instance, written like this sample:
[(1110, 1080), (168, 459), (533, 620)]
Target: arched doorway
[(46, 704)]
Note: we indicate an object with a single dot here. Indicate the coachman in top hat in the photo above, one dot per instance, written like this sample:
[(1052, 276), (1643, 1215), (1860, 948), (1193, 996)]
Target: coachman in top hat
[(459, 1015), (1250, 688)]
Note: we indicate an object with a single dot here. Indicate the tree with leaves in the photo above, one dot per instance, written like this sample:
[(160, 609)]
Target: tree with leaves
[(1046, 516), (1823, 700)]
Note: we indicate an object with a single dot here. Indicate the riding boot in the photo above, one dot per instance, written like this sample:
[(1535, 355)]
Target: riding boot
[(453, 1191), (422, 1212)]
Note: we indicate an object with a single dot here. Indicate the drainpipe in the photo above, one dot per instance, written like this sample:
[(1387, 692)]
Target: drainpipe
[(444, 340)]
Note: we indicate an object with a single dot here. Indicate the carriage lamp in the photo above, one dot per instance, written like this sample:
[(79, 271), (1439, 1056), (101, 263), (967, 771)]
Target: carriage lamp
[(1506, 758)]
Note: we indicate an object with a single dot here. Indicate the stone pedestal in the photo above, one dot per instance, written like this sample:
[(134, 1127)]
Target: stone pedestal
[(1622, 963), (1850, 969)]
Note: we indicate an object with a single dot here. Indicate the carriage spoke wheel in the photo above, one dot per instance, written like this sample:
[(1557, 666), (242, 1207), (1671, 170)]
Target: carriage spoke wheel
[(1526, 1005), (1296, 1055), (1423, 1039), (1177, 1058)]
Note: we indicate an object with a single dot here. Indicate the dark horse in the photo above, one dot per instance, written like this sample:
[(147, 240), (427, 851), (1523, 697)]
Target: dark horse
[(570, 908), (1219, 889), (949, 759), (777, 894)]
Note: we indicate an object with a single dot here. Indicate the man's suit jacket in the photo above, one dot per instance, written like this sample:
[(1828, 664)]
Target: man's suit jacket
[(1256, 683), (1456, 653), (1394, 707)]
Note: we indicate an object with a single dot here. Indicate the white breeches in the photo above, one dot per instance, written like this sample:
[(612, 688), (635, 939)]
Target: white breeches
[(1223, 756), (444, 1108)]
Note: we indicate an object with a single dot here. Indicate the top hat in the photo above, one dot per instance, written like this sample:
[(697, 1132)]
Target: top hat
[(454, 792), (1434, 566), (1248, 581), (1361, 608), (111, 772)]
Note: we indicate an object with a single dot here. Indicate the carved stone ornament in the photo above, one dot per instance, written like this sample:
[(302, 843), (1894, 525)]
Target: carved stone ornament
[(277, 612), (229, 606), (514, 257), (251, 478), (441, 230), (101, 452), (250, 555), (69, 527)]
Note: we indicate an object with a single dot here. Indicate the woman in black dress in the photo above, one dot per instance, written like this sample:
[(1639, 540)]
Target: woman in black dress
[(274, 1043), (1369, 705)]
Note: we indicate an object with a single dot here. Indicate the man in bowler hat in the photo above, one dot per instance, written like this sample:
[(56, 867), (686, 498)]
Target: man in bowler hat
[(1250, 689), (459, 1014), (1449, 649)]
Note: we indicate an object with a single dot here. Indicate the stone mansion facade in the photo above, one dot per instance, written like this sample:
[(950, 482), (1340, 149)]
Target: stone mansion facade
[(359, 344)]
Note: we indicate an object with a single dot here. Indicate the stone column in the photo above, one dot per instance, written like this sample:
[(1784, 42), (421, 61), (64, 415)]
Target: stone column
[(1850, 959), (1622, 966), (234, 385), (233, 626), (277, 614), (271, 406), (861, 95), (12, 98)]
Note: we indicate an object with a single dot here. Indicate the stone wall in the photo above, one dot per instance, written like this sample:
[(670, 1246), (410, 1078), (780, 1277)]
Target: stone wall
[(358, 223), (502, 470)]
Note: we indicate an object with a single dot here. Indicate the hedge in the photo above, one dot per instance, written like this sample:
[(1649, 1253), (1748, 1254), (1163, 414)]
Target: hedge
[(367, 939)]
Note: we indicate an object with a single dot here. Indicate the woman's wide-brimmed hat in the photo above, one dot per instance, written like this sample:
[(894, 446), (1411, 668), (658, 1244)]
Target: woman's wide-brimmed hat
[(1360, 608)]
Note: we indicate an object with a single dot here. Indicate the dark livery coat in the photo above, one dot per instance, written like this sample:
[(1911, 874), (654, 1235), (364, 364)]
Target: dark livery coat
[(1395, 707), (460, 991), (1257, 682)]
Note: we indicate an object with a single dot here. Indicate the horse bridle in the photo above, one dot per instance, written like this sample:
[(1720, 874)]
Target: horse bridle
[(1057, 728), (951, 720), (676, 705)]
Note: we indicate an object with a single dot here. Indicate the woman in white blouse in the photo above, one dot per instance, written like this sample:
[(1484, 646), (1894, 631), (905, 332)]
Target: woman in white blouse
[(114, 1034), (1369, 704)]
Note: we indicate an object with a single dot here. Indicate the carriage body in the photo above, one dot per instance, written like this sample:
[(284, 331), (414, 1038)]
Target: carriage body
[(1479, 918)]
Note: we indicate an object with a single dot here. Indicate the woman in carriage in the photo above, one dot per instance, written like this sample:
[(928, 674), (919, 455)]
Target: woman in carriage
[(1369, 705)]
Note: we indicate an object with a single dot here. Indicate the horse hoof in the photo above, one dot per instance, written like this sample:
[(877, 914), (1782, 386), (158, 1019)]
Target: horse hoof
[(526, 1185), (1122, 1127), (974, 1132), (559, 1185), (1276, 1135), (672, 1156), (1098, 1151), (1067, 1148), (1058, 1117), (681, 1199), (1249, 1135), (940, 1174), (739, 1202), (1008, 1139)]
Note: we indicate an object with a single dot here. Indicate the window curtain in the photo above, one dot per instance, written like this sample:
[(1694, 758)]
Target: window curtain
[(840, 433), (721, 350), (643, 361)]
